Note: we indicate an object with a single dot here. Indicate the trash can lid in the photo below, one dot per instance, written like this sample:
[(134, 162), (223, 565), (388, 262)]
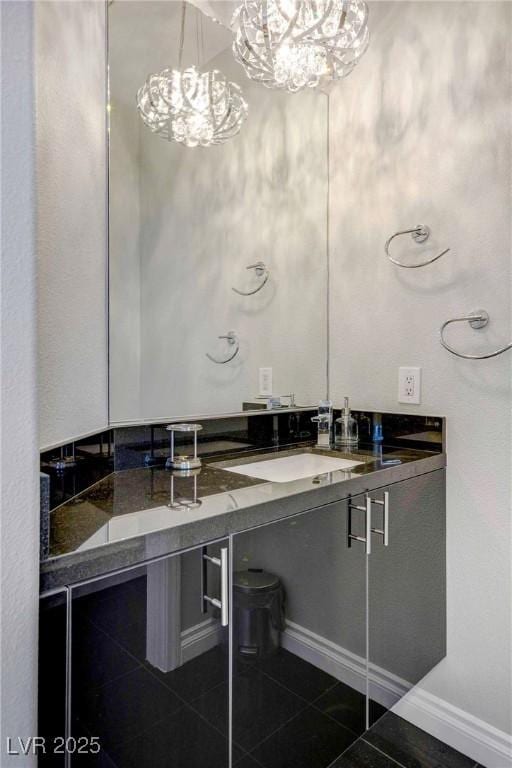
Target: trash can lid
[(255, 580)]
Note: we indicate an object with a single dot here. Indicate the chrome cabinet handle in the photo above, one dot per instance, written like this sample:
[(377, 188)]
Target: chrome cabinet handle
[(224, 587), (223, 603), (367, 539), (367, 509), (384, 532), (368, 522)]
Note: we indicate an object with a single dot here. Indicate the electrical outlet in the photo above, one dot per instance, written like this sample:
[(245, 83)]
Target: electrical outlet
[(409, 385)]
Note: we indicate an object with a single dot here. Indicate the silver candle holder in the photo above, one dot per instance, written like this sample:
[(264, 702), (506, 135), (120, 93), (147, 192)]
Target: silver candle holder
[(183, 462)]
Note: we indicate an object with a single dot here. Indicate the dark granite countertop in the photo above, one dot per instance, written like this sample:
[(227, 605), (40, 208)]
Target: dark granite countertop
[(125, 519)]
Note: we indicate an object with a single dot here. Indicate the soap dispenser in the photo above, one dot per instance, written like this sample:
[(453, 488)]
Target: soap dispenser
[(324, 421), (346, 429)]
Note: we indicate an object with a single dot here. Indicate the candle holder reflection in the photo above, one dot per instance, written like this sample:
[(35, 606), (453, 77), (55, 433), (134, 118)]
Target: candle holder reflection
[(189, 501)]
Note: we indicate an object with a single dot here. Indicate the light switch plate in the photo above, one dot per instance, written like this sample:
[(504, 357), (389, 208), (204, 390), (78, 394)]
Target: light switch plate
[(409, 385)]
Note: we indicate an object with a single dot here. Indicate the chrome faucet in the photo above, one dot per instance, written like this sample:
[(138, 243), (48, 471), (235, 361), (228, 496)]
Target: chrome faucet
[(324, 421), (275, 401)]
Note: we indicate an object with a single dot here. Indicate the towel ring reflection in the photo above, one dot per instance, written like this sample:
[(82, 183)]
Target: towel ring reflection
[(477, 319), (262, 271), (232, 340), (419, 234)]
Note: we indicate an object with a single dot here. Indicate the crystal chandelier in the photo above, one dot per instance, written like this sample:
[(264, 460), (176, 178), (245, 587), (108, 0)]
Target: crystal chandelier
[(293, 44), (191, 107)]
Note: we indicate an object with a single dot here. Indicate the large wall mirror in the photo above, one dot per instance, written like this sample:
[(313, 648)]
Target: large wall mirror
[(186, 223)]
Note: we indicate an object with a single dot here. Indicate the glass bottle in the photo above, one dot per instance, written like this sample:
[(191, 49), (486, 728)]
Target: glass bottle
[(347, 430)]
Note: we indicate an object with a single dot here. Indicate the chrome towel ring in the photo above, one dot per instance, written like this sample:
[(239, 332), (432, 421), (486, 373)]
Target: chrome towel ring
[(262, 271), (419, 234), (232, 340), (477, 319)]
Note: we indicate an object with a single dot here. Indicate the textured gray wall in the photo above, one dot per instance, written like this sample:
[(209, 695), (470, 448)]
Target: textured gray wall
[(421, 133), (19, 519)]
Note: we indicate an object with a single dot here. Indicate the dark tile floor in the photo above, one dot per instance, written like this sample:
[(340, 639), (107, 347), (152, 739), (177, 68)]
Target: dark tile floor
[(394, 743), (286, 712)]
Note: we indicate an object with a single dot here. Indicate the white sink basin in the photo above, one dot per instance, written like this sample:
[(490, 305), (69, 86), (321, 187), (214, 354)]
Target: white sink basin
[(288, 468)]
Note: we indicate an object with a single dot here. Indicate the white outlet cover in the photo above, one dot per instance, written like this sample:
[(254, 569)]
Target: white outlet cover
[(409, 385), (265, 382)]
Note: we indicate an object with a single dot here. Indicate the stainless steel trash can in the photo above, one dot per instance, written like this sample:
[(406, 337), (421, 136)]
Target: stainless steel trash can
[(258, 602)]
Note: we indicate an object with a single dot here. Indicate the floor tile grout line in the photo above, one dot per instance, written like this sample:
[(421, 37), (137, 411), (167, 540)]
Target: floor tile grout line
[(328, 715), (140, 665), (162, 720), (260, 671), (116, 678), (275, 680), (331, 687), (273, 733), (147, 668), (377, 749), (119, 677), (294, 693), (307, 704), (287, 722), (248, 751), (210, 690), (244, 749), (189, 704), (186, 703), (145, 665), (114, 747), (223, 683), (248, 754), (213, 727), (313, 702), (288, 690)]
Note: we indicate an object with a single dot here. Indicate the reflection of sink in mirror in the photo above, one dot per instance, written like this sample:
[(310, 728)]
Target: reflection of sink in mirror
[(289, 468)]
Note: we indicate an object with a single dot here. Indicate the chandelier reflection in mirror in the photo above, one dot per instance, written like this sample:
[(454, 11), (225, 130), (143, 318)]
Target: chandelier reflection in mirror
[(191, 107), (294, 44)]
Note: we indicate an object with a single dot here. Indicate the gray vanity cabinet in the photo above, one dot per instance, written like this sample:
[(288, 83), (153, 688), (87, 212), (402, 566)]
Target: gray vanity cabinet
[(280, 645), (407, 586), (362, 623), (52, 670), (147, 651), (302, 704)]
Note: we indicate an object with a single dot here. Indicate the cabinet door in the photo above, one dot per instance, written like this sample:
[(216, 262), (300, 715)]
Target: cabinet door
[(407, 586), (147, 650), (299, 675), (52, 680)]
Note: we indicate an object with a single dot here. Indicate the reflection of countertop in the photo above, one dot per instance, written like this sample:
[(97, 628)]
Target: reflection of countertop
[(125, 518), (425, 437)]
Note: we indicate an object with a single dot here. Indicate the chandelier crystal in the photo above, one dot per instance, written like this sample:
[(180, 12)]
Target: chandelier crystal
[(191, 107), (294, 44)]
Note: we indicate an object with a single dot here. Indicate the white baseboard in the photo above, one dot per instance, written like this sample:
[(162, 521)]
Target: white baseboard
[(478, 740), (482, 742), (344, 665), (199, 639)]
